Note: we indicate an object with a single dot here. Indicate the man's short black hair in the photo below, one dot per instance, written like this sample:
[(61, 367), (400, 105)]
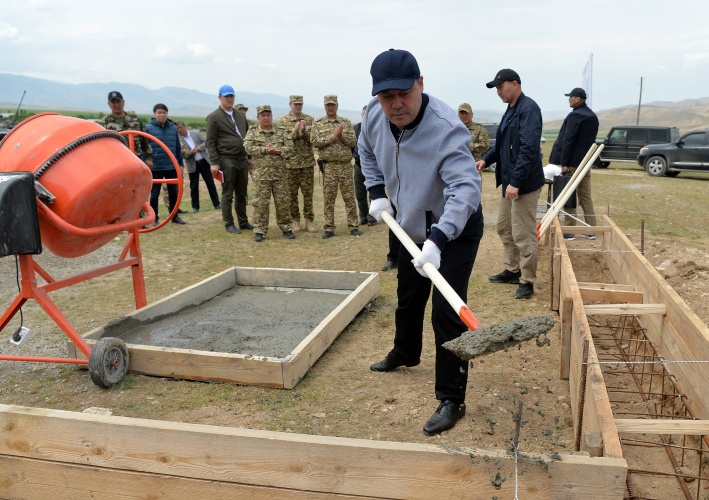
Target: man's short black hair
[(159, 106)]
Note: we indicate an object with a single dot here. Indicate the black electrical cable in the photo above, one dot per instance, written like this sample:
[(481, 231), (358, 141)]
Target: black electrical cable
[(16, 336)]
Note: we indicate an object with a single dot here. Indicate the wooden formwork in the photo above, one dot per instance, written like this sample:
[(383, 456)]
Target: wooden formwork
[(638, 290), (241, 368), (50, 453)]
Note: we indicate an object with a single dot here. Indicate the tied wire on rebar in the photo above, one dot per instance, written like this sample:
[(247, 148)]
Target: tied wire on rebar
[(658, 389), (515, 444)]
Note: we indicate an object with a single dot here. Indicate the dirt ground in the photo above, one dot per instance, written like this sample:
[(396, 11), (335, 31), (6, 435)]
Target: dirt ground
[(340, 396)]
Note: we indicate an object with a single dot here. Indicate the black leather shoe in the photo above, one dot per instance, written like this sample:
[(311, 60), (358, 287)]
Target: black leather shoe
[(180, 211), (258, 237), (289, 235), (445, 417), (389, 265), (327, 234), (246, 227), (218, 206), (390, 363), (195, 210), (356, 232), (156, 222), (506, 277), (525, 291), (231, 228), (176, 220)]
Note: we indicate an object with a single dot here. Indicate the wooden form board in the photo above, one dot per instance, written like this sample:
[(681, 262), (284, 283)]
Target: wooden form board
[(59, 454), (243, 369), (597, 417), (678, 333)]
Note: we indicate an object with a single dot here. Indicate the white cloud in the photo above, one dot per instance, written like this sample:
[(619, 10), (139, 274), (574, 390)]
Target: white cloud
[(8, 32), (199, 50), (692, 61)]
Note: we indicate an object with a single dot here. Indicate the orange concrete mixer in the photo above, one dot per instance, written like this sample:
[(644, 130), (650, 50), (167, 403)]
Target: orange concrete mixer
[(93, 180), (72, 186)]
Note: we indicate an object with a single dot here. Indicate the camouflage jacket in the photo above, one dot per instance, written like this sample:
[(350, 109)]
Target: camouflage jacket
[(331, 149), (479, 140), (302, 155), (130, 122), (268, 166)]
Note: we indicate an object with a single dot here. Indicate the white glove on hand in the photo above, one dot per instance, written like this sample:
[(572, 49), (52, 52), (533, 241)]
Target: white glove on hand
[(429, 253), (376, 207)]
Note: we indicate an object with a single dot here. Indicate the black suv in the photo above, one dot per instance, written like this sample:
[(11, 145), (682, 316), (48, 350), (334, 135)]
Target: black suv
[(689, 154), (492, 134), (624, 143)]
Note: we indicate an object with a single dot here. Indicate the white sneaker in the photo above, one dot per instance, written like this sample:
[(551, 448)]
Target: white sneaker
[(589, 236), (569, 237)]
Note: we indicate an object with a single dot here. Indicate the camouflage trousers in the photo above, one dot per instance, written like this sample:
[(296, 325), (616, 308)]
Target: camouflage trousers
[(303, 179), (339, 175), (263, 189)]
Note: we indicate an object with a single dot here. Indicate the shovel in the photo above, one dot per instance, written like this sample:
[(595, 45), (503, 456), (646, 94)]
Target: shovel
[(466, 315)]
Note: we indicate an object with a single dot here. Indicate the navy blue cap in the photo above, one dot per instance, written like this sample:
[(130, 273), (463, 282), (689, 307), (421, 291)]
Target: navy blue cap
[(394, 70)]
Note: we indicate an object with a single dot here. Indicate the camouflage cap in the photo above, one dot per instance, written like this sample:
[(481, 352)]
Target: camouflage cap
[(262, 108), (465, 107), (331, 99), (241, 106), (296, 99)]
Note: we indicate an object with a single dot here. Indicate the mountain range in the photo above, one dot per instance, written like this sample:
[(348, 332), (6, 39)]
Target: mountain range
[(689, 114)]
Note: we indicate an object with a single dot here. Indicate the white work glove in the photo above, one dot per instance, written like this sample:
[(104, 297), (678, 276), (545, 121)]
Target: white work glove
[(429, 253), (376, 207)]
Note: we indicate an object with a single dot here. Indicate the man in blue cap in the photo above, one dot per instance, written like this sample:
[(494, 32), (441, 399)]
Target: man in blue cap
[(226, 129), (414, 147)]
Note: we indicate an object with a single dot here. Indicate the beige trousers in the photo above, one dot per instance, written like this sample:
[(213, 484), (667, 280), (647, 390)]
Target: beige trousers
[(517, 228)]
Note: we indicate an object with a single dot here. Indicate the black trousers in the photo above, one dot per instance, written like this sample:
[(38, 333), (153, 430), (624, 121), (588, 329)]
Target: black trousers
[(171, 189), (413, 291), (206, 173)]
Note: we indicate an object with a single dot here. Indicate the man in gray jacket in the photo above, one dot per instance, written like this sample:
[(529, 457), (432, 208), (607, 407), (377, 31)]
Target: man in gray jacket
[(414, 147)]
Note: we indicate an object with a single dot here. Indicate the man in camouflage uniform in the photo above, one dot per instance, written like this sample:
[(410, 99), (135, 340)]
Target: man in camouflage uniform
[(269, 147), (334, 138), (479, 139), (242, 107), (120, 120), (301, 162)]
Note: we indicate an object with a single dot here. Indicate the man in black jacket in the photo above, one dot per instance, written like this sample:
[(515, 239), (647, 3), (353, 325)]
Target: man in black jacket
[(519, 171), (576, 135)]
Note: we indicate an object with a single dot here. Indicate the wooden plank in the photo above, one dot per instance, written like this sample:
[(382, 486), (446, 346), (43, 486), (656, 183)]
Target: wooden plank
[(30, 478), (625, 309), (314, 345), (296, 462), (605, 286), (595, 230), (610, 296), (300, 278), (566, 331), (662, 426)]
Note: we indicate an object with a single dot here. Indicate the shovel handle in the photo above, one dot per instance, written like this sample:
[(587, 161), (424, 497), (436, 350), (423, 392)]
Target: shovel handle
[(465, 314)]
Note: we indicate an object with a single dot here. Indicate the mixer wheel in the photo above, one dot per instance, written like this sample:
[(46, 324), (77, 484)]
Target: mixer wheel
[(108, 362)]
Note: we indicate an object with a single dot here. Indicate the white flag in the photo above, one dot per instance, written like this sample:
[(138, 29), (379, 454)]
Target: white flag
[(587, 81)]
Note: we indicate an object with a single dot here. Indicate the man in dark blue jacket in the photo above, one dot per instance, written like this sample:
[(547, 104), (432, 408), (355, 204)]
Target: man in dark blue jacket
[(164, 129), (577, 134), (519, 171)]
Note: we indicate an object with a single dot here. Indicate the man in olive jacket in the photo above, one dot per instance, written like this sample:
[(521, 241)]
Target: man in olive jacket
[(226, 129)]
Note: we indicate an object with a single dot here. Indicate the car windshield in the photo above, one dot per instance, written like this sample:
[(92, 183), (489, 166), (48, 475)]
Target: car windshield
[(491, 129)]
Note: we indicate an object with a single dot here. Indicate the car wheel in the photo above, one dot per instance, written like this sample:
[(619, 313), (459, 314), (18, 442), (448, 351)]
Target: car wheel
[(491, 168), (601, 164), (674, 173), (656, 166)]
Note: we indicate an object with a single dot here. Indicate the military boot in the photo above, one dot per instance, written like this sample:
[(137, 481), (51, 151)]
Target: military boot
[(309, 226)]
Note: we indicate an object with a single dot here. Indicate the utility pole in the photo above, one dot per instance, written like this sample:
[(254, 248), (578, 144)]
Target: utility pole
[(637, 120)]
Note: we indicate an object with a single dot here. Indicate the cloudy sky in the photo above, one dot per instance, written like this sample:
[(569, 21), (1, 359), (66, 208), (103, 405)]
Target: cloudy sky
[(317, 48)]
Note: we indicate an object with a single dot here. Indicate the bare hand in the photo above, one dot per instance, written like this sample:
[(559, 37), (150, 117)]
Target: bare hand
[(338, 130), (214, 168), (511, 193), (480, 165)]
